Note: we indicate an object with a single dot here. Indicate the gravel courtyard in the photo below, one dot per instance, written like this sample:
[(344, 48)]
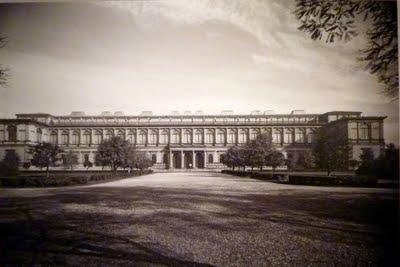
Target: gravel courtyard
[(197, 218)]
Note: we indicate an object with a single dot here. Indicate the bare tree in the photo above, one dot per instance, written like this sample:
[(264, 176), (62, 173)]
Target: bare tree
[(336, 20), (3, 71)]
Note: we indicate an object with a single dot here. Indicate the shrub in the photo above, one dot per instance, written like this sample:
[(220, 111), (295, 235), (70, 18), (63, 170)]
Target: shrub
[(333, 180)]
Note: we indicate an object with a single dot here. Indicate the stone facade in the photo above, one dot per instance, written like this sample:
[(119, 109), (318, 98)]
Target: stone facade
[(194, 141)]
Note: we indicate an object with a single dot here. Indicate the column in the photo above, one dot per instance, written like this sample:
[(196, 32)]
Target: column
[(194, 159), (205, 160), (215, 157), (236, 137), (203, 140), (182, 160), (171, 166)]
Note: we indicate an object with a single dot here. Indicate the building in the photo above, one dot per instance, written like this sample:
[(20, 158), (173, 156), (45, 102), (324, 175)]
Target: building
[(194, 140)]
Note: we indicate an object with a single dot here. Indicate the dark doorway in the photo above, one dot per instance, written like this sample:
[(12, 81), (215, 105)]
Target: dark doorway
[(177, 160), (200, 160), (188, 160)]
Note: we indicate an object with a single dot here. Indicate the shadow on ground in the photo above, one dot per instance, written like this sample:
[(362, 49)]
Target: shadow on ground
[(182, 227)]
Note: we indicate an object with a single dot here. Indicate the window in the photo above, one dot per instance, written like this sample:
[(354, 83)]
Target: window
[(38, 135), (142, 138), (64, 138), (154, 158), (153, 138), (98, 138), (121, 135), (287, 138), (12, 133), (209, 137), (242, 137), (299, 136), (220, 137), (75, 138), (310, 137), (197, 137), (231, 137), (353, 130), (175, 137), (186, 137), (109, 134), (364, 131), (164, 137), (375, 130), (86, 138), (131, 137), (253, 134), (53, 137), (276, 137), (210, 158)]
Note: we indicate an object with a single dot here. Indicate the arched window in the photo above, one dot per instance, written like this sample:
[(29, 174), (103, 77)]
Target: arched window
[(109, 134), (165, 158), (64, 137), (299, 136), (210, 158), (364, 131), (131, 137), (220, 137), (253, 134), (231, 137), (121, 134), (288, 137), (97, 138), (209, 137), (153, 137), (242, 137), (175, 137), (12, 133), (276, 137), (154, 158), (164, 137), (186, 137), (53, 137), (86, 138), (38, 135), (197, 138), (75, 138), (142, 138)]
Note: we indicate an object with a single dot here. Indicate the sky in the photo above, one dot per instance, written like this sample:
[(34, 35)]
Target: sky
[(179, 55)]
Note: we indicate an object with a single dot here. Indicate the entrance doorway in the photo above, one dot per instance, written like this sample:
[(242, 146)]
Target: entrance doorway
[(200, 160), (177, 160), (188, 160)]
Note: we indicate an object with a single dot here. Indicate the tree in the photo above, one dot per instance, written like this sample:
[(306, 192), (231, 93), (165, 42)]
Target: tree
[(257, 150), (45, 155), (305, 159), (142, 161), (10, 163), (234, 157), (275, 159), (330, 150), (129, 157), (336, 20), (111, 153), (87, 164), (70, 160)]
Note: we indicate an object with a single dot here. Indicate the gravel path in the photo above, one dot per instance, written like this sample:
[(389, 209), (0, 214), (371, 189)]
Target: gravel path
[(181, 219)]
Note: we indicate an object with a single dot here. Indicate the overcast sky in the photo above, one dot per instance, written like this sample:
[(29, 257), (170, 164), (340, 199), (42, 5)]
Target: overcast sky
[(179, 55)]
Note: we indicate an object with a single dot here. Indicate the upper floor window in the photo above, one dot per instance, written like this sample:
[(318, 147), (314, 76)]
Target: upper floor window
[(164, 137), (12, 133), (231, 137), (276, 137), (121, 135), (209, 137), (53, 137), (131, 137), (288, 137), (142, 138), (186, 137), (153, 137), (86, 138), (197, 137), (299, 136), (220, 137), (109, 134), (364, 131), (175, 137), (75, 138), (39, 135), (310, 137), (64, 138), (97, 137), (242, 137)]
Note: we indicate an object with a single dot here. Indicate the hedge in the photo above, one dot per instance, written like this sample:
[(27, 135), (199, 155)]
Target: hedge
[(321, 180), (257, 175), (65, 180)]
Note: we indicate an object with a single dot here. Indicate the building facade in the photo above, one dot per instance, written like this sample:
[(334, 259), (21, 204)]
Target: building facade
[(191, 140)]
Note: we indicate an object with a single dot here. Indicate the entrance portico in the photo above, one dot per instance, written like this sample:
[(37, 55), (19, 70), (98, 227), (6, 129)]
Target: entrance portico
[(187, 159)]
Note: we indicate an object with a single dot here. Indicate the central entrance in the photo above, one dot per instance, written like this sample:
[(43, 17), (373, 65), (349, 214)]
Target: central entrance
[(177, 160), (200, 160)]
